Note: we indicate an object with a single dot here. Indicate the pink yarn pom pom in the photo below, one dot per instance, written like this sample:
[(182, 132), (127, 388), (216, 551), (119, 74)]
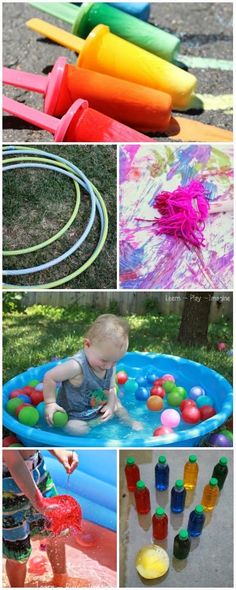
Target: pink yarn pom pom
[(183, 212)]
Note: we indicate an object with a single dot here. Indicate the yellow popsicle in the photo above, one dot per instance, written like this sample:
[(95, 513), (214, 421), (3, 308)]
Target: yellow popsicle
[(106, 53)]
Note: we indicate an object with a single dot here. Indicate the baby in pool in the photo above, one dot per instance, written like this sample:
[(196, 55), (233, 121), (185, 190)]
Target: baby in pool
[(88, 387)]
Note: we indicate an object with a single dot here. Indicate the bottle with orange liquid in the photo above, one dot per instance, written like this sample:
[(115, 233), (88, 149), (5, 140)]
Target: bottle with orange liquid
[(210, 495), (191, 473)]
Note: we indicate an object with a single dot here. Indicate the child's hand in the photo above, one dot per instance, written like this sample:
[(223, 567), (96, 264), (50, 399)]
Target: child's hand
[(107, 412), (136, 425), (50, 409), (69, 459)]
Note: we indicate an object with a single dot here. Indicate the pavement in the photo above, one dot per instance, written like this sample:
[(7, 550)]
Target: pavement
[(210, 561), (205, 30)]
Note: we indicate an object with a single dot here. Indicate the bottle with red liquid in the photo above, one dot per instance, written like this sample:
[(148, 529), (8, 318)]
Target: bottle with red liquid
[(159, 524), (132, 474), (142, 498)]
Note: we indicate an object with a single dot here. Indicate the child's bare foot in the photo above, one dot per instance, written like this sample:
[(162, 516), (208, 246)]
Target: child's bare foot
[(66, 581), (137, 425)]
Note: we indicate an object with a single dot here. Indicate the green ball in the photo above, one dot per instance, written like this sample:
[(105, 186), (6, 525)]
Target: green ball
[(28, 416), (168, 386), (60, 419), (227, 433), (174, 398), (181, 391), (33, 382), (12, 404)]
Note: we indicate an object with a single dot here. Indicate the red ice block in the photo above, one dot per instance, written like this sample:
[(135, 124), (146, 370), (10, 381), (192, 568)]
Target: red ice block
[(143, 108), (79, 124), (63, 513)]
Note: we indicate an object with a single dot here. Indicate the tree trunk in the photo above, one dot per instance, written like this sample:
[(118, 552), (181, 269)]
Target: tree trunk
[(195, 318)]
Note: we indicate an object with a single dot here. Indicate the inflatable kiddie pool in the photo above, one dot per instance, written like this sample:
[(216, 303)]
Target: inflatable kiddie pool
[(114, 433)]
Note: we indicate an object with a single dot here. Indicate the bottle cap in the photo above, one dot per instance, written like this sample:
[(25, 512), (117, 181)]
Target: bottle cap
[(183, 534), (179, 484), (192, 458), (162, 459), (213, 481), (130, 461), (223, 461), (159, 511), (140, 484), (199, 509)]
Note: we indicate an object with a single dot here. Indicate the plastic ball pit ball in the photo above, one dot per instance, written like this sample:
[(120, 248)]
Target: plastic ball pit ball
[(41, 410), (162, 431), (191, 415), (60, 419), (155, 403), (207, 412), (196, 392), (158, 382), (168, 378), (39, 387), (227, 433), (13, 404), (174, 398), (187, 402), (170, 418), (20, 407), (204, 400), (28, 389), (181, 390), (168, 386), (11, 441), (151, 377), (130, 386), (141, 381), (121, 377), (152, 562), (220, 440), (36, 397), (26, 399), (142, 394), (28, 415), (33, 382), (157, 390), (15, 393)]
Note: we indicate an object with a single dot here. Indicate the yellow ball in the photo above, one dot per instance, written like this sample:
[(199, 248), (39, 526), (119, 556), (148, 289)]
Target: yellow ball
[(152, 562)]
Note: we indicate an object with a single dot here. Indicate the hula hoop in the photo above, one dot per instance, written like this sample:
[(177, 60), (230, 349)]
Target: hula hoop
[(73, 172)]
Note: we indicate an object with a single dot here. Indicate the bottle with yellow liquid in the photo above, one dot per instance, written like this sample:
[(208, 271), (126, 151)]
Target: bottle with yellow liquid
[(191, 473), (210, 495)]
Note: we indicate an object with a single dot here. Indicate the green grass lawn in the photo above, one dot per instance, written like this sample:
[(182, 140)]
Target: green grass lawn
[(37, 203), (39, 333)]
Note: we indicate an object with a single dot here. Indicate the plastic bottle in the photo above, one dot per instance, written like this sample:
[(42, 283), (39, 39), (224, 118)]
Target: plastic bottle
[(182, 544), (178, 495), (132, 474), (135, 105), (159, 524), (142, 498), (210, 495), (106, 53), (162, 474), (196, 521), (191, 473), (220, 471), (80, 123)]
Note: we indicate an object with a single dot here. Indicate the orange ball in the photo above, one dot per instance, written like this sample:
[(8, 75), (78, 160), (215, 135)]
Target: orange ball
[(155, 403)]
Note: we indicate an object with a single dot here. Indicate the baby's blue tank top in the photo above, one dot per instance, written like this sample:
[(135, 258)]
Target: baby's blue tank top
[(84, 402)]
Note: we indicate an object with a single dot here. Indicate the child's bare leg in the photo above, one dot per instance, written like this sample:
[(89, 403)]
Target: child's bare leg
[(16, 573), (57, 554), (76, 427)]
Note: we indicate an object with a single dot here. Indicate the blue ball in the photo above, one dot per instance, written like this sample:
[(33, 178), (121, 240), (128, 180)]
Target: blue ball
[(151, 377), (39, 387), (220, 440), (142, 394), (25, 398), (196, 392), (204, 400), (141, 381)]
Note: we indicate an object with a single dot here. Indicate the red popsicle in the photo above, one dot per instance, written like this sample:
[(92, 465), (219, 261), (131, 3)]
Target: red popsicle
[(140, 107), (79, 124)]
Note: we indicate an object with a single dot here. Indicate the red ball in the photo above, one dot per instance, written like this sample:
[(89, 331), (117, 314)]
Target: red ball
[(9, 440), (15, 393), (19, 408), (121, 377), (191, 415), (37, 397), (162, 430), (158, 381), (207, 412), (28, 390), (158, 390), (187, 402)]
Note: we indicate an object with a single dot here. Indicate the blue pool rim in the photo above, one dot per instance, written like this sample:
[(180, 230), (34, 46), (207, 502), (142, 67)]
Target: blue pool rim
[(189, 437)]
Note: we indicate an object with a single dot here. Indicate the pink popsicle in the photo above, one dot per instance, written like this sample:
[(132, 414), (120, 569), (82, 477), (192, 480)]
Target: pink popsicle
[(80, 123)]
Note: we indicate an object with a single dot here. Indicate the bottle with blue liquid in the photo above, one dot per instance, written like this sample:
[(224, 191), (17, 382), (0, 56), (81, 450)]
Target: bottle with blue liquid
[(178, 495), (162, 474), (196, 521)]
